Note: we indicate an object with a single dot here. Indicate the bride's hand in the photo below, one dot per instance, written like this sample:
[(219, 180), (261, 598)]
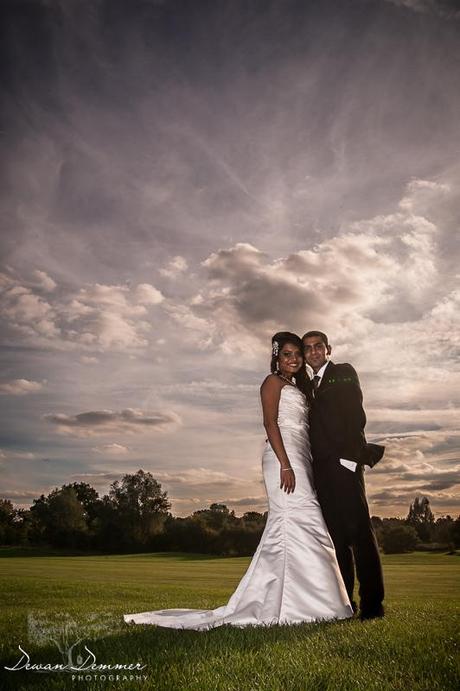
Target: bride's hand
[(287, 479)]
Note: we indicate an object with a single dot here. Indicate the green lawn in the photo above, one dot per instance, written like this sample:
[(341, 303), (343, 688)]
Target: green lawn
[(71, 597)]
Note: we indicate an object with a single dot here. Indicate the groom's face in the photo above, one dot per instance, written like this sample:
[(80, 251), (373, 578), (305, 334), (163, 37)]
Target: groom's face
[(316, 352)]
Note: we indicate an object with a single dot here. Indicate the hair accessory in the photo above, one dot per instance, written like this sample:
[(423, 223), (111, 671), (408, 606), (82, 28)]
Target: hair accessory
[(275, 348)]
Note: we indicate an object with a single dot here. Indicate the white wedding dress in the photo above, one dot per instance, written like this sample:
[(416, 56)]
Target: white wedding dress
[(294, 575)]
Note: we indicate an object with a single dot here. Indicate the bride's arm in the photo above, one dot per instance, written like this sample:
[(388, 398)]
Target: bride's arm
[(270, 392)]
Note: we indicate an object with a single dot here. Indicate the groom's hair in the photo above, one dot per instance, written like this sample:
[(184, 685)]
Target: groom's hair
[(320, 335)]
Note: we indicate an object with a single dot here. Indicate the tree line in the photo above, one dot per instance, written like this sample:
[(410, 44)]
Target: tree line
[(135, 517)]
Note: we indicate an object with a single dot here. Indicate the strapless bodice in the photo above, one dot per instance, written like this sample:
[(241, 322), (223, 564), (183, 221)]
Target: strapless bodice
[(292, 409)]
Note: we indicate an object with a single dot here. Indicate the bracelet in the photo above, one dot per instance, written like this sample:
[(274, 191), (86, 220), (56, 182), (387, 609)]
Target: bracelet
[(284, 470)]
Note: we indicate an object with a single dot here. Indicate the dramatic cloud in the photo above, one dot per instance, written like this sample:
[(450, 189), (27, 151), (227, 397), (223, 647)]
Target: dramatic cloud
[(158, 230), (97, 317), (401, 256), (128, 421)]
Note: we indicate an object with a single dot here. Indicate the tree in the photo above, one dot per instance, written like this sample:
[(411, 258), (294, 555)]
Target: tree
[(60, 518), (396, 539), (24, 527), (67, 515), (254, 517), (106, 527), (444, 530), (39, 520), (456, 532), (190, 534), (421, 518), (7, 522), (87, 496), (216, 517), (376, 522), (141, 507)]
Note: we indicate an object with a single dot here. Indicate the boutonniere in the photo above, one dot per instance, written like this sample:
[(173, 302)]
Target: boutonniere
[(340, 380)]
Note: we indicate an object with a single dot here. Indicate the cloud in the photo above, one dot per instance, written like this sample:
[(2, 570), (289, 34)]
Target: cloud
[(20, 387), (44, 281), (146, 294), (27, 314), (403, 498), (446, 416), (182, 506), (266, 204), (375, 281), (180, 485), (199, 477), (185, 506), (443, 8), (447, 481), (10, 455), (102, 479), (21, 497), (176, 266), (128, 421), (423, 463), (376, 272), (96, 317), (427, 477), (382, 290), (260, 501), (410, 448), (113, 449), (89, 360)]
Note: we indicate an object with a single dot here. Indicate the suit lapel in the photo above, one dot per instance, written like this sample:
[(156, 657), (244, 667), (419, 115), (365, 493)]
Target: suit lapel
[(326, 376)]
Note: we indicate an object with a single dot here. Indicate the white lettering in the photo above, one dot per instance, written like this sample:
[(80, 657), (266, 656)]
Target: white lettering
[(88, 665)]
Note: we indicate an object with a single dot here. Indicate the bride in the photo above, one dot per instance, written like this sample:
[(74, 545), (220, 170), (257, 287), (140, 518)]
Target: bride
[(294, 575)]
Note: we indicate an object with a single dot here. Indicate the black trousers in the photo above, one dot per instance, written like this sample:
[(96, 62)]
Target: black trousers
[(342, 497)]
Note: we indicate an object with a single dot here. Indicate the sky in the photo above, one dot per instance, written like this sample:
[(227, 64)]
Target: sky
[(180, 180)]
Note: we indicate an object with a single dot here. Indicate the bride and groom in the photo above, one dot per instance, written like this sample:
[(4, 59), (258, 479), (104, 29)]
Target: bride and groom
[(318, 528)]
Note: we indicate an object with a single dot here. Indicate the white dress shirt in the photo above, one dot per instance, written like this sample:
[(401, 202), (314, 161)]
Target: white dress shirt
[(321, 371)]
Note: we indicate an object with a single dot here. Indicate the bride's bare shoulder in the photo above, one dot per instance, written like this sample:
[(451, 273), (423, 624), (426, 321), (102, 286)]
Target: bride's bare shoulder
[(271, 383)]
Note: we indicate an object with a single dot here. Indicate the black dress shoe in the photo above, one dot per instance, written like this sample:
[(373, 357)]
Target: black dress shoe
[(372, 613)]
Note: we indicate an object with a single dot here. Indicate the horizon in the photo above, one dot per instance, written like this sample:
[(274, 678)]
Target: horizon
[(205, 508)]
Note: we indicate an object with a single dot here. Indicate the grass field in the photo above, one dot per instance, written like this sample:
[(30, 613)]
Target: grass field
[(414, 647)]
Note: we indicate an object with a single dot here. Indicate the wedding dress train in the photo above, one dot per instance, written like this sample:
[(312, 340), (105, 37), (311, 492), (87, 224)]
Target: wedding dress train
[(294, 575)]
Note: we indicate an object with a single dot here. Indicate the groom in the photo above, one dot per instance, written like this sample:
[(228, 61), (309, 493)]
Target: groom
[(340, 451)]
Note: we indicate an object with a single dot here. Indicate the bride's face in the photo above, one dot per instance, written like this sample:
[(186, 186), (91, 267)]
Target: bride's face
[(290, 360)]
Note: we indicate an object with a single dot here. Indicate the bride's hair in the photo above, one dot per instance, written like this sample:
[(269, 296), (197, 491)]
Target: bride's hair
[(281, 338)]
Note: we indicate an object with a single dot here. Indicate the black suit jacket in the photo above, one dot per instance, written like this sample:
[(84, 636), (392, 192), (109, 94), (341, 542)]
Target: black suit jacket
[(337, 419)]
